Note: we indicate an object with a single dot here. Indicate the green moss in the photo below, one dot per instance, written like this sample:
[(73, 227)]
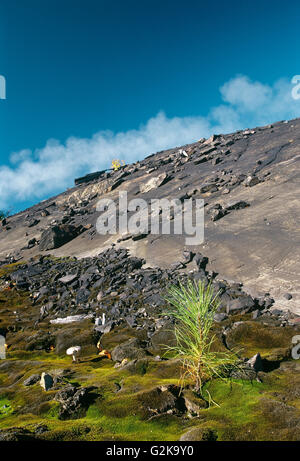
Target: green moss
[(116, 415), (53, 411), (252, 337), (250, 411), (9, 268), (247, 410), (5, 408)]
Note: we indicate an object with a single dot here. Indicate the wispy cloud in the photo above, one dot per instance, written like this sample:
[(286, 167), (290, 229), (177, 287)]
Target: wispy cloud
[(245, 103)]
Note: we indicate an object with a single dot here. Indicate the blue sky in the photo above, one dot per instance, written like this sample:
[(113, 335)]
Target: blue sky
[(155, 73)]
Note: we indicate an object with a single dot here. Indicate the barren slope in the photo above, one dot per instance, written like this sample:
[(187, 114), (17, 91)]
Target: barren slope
[(257, 245)]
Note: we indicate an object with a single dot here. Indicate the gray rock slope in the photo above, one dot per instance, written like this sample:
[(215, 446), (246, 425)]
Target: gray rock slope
[(249, 181)]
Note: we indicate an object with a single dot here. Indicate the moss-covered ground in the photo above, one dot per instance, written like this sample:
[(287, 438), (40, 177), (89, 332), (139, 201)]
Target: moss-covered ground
[(267, 409)]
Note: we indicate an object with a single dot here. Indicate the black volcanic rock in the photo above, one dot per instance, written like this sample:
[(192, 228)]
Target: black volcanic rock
[(131, 349), (72, 401), (89, 177), (58, 235)]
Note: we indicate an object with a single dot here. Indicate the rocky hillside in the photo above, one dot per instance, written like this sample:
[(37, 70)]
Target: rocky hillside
[(63, 285), (257, 244)]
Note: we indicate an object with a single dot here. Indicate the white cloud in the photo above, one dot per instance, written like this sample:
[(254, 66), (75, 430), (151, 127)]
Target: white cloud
[(246, 95), (255, 103), (33, 175)]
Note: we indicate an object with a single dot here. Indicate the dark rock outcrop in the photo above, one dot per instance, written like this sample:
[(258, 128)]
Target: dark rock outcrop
[(59, 235)]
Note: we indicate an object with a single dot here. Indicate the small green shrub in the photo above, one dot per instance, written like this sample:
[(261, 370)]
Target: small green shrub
[(193, 308)]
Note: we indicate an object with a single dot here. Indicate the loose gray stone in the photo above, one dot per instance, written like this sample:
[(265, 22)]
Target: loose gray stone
[(32, 380), (46, 381)]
